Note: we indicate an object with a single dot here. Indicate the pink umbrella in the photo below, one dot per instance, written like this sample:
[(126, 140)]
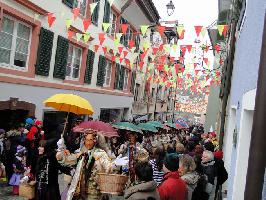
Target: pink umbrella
[(104, 128)]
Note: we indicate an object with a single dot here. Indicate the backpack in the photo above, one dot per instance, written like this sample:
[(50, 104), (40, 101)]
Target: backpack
[(199, 192)]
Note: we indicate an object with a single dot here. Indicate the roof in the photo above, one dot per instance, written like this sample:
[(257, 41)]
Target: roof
[(149, 10)]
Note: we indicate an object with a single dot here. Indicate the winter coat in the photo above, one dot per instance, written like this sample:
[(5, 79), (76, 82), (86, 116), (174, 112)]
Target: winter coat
[(172, 187), (210, 170), (142, 191), (191, 179)]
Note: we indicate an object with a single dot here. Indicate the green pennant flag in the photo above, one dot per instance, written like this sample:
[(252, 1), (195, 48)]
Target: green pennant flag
[(220, 29), (106, 26), (143, 29), (116, 42), (203, 32), (93, 6), (166, 68), (68, 23), (146, 44), (78, 36), (86, 37)]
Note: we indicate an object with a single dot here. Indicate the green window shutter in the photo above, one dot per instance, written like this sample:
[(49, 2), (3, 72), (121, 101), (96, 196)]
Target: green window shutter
[(117, 74), (133, 81), (61, 58), (69, 3), (89, 67), (44, 54), (137, 42), (95, 15), (101, 71), (121, 78), (107, 12)]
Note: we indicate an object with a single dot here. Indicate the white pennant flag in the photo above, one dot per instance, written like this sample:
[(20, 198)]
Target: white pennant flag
[(93, 6)]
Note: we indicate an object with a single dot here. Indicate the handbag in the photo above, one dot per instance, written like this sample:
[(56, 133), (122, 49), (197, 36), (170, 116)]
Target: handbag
[(27, 190)]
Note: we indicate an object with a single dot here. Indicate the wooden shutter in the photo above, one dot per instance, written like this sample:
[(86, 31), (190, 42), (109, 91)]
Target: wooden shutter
[(137, 42), (95, 15), (44, 54), (133, 81), (89, 66), (121, 78), (69, 3), (101, 71), (107, 12), (61, 58), (117, 75)]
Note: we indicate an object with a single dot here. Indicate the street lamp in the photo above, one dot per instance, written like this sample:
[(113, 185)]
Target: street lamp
[(170, 8)]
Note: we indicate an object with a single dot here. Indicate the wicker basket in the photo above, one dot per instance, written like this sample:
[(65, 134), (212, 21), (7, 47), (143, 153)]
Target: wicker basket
[(112, 183), (27, 191)]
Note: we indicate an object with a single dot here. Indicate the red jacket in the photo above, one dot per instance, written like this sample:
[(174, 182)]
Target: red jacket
[(172, 187)]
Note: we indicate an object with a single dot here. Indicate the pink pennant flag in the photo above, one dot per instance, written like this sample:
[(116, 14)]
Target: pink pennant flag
[(75, 12), (141, 65), (51, 19), (198, 29), (120, 60), (154, 49), (131, 44), (226, 27)]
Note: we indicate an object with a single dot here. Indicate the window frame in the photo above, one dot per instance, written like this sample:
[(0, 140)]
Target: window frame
[(70, 77), (86, 7), (13, 45), (126, 78), (111, 31), (109, 63)]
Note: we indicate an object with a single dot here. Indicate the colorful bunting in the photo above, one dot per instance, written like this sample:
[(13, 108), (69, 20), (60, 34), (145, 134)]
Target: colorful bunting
[(106, 26), (86, 37), (51, 19), (86, 24), (68, 23), (124, 28), (101, 38), (198, 30), (78, 36), (143, 29), (161, 30), (75, 12)]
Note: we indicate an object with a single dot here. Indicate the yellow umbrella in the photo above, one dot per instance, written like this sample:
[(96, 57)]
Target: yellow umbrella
[(69, 103)]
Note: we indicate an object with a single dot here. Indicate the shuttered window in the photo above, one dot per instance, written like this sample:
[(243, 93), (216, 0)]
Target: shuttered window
[(89, 67), (117, 74), (69, 3), (44, 54), (95, 15), (133, 81), (137, 42), (121, 78), (61, 58), (101, 71), (107, 12)]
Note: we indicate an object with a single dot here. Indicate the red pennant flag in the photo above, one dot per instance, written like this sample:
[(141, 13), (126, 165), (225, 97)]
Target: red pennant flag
[(206, 60), (125, 53), (113, 58), (163, 58), (124, 28), (101, 38), (160, 67), (120, 59), (218, 74), (172, 59), (141, 65), (127, 62), (142, 56), (75, 12), (211, 82), (161, 30), (149, 79), (104, 50), (177, 68), (86, 24), (154, 49), (161, 47), (183, 49), (197, 71), (131, 43), (217, 48), (168, 84), (195, 65), (181, 59), (51, 19), (198, 30), (226, 27), (188, 76), (207, 48), (221, 61), (70, 34), (183, 69), (189, 47), (120, 49), (207, 77), (96, 47)]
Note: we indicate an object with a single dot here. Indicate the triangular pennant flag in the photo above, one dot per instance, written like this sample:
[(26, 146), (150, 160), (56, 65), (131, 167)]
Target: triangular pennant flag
[(189, 47), (181, 59), (207, 48), (143, 29), (146, 45), (93, 6), (217, 47), (96, 47), (86, 37), (125, 53), (68, 23), (118, 36), (198, 29), (117, 42), (220, 29), (106, 26), (141, 65), (197, 71), (131, 44), (70, 34), (124, 28), (111, 2), (78, 36), (195, 65), (161, 30), (182, 36), (154, 49), (75, 12), (206, 60), (183, 49), (226, 27), (113, 58), (120, 49), (104, 50), (101, 38), (120, 60), (86, 24), (179, 30), (51, 19)]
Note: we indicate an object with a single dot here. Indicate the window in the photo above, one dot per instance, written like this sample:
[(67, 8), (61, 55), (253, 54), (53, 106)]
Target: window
[(152, 92), (73, 62), (126, 79), (112, 20), (95, 15), (108, 73), (82, 5), (14, 43), (136, 93)]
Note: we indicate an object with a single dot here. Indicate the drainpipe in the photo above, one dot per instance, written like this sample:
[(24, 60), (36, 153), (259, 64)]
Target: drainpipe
[(257, 158)]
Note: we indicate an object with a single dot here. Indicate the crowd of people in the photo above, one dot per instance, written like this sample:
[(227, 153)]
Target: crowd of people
[(168, 165)]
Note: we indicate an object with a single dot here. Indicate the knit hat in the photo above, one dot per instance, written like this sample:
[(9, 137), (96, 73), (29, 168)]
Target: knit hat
[(171, 162), (209, 146), (29, 121), (38, 122)]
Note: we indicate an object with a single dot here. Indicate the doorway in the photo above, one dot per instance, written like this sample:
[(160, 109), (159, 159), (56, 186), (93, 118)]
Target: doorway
[(10, 119)]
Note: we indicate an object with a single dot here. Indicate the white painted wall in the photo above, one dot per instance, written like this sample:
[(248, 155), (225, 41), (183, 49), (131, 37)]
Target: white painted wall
[(246, 122)]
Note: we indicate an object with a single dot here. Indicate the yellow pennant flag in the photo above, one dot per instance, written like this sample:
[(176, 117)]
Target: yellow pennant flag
[(68, 23), (86, 37), (143, 29), (78, 36), (146, 44), (220, 29), (106, 26), (118, 36), (117, 42), (93, 6), (179, 29)]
